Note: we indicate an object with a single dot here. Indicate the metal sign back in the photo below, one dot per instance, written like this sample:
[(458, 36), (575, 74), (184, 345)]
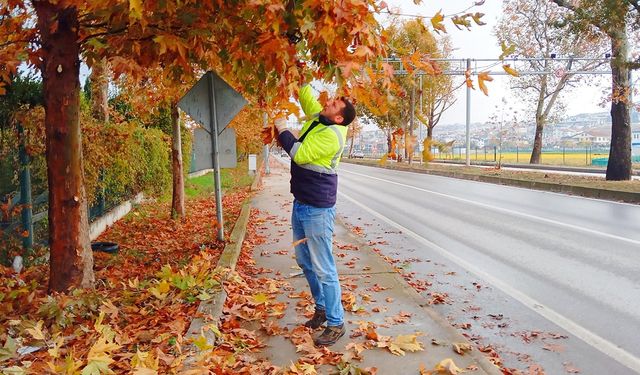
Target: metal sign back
[(202, 153), (196, 102)]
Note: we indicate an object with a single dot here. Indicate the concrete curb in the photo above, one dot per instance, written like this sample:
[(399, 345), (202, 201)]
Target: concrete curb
[(210, 311), (105, 221), (480, 359), (613, 195)]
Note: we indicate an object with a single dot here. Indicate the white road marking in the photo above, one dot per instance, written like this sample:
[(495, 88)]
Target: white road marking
[(599, 343), (506, 210)]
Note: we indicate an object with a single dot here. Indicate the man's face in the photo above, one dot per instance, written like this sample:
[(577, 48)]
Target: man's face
[(333, 110)]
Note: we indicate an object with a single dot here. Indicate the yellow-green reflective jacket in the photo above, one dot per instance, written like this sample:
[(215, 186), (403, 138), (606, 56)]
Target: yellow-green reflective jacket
[(314, 161)]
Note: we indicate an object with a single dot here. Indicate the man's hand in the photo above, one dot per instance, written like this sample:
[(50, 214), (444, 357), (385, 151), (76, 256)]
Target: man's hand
[(281, 124)]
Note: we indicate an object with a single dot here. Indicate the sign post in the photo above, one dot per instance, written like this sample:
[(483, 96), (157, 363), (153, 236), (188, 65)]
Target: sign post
[(213, 103), (216, 155)]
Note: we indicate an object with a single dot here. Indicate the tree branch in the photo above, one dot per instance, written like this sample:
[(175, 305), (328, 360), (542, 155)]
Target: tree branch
[(567, 4)]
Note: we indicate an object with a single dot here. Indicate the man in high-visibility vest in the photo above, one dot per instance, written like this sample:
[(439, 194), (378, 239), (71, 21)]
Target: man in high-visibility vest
[(315, 155)]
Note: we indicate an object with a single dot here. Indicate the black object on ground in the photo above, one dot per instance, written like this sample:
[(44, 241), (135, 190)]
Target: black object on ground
[(107, 247)]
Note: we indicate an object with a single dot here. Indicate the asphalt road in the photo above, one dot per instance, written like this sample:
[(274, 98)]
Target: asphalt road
[(545, 279)]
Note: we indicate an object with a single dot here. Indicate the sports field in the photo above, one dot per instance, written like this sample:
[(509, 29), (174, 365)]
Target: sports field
[(571, 158)]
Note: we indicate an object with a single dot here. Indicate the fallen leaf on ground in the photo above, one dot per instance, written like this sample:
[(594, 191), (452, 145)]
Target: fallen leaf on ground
[(461, 347), (401, 343)]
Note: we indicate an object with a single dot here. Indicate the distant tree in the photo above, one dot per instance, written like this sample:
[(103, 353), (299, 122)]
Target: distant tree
[(438, 93), (535, 29), (354, 130), (615, 18), (416, 46)]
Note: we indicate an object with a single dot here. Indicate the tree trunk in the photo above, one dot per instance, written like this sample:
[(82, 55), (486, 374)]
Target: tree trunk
[(537, 141), (431, 124), (177, 203), (619, 166), (71, 260), (99, 90)]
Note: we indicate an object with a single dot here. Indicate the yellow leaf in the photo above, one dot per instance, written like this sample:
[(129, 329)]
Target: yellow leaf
[(213, 328), (164, 286), (99, 358), (383, 159), (507, 68), (98, 324), (109, 308), (54, 352), (36, 332), (448, 367), (405, 342), (135, 9), (260, 298), (161, 291), (134, 283), (161, 42), (201, 343), (476, 18), (144, 363), (506, 51), (461, 21), (482, 77), (302, 369), (461, 347), (436, 22)]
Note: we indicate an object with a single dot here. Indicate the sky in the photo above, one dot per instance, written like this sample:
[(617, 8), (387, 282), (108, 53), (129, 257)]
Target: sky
[(481, 43)]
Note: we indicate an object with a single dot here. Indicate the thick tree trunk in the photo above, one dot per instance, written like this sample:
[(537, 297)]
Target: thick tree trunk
[(177, 203), (430, 125), (537, 142), (71, 260), (99, 91), (619, 166)]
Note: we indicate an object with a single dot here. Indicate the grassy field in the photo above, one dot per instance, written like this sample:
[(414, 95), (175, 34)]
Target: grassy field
[(203, 185), (575, 159)]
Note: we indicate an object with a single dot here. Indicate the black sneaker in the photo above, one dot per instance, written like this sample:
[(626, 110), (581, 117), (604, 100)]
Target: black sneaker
[(319, 317), (330, 335)]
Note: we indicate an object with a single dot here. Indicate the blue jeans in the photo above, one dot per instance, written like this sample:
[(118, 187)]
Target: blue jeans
[(315, 257)]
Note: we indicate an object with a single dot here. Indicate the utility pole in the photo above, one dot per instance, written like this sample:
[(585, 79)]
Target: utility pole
[(411, 120), (468, 122)]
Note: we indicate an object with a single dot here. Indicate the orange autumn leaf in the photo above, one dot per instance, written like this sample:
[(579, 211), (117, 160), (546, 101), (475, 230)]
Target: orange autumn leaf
[(482, 77), (467, 78), (507, 68), (323, 98)]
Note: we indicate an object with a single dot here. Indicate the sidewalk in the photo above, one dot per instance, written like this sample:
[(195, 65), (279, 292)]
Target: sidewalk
[(382, 315)]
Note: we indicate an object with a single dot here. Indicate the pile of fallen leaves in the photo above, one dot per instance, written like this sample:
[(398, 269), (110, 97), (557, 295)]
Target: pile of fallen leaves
[(135, 318)]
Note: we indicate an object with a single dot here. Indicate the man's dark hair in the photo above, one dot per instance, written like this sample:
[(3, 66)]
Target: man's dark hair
[(348, 112)]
